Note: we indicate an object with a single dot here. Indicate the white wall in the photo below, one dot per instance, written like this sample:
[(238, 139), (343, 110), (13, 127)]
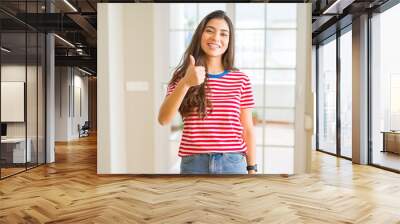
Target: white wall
[(61, 104), (128, 133), (14, 73), (80, 104), (34, 125), (17, 73), (68, 81)]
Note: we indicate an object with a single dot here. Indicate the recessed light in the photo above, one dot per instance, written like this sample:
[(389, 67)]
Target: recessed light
[(84, 71), (70, 5), (64, 40), (5, 49)]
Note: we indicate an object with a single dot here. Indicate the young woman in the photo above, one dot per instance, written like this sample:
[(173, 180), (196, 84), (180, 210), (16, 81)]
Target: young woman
[(215, 101)]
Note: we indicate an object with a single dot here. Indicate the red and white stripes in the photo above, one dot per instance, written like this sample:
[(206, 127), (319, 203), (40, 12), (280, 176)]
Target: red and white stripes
[(221, 130)]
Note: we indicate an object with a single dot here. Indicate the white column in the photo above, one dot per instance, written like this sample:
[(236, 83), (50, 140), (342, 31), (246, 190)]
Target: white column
[(162, 159), (360, 90), (50, 99), (304, 96), (111, 148)]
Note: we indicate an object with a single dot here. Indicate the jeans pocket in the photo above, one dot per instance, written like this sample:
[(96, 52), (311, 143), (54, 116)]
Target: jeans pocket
[(234, 158), (233, 163)]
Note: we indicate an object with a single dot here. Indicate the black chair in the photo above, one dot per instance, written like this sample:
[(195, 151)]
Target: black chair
[(84, 130)]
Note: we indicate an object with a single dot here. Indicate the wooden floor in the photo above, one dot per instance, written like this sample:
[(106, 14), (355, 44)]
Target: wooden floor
[(69, 191)]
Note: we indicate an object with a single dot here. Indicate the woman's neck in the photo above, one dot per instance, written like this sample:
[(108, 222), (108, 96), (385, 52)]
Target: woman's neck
[(214, 65)]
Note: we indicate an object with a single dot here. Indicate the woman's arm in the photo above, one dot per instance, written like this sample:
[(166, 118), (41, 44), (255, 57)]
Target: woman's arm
[(172, 103), (246, 120), (194, 76)]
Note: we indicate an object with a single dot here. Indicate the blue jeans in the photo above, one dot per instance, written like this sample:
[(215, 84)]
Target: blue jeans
[(214, 163)]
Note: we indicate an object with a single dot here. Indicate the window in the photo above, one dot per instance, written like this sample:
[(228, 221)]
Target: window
[(385, 88), (327, 97), (266, 52), (394, 102), (22, 65), (346, 94)]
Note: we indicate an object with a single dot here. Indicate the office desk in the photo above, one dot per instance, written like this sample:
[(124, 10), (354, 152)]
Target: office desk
[(391, 141), (13, 150)]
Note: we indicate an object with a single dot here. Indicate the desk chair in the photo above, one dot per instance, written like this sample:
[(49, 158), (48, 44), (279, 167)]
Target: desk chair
[(84, 130)]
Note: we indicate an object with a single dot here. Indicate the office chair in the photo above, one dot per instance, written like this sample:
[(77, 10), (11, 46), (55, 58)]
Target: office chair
[(84, 130)]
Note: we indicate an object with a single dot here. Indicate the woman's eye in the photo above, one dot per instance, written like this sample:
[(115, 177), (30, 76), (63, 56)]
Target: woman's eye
[(209, 31)]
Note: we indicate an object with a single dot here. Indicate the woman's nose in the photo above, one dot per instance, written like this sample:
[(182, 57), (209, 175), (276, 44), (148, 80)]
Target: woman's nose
[(215, 36)]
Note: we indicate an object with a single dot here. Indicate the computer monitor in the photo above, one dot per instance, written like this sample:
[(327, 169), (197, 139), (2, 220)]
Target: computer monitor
[(3, 129)]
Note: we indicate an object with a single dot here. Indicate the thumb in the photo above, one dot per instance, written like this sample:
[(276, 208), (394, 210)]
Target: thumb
[(192, 61)]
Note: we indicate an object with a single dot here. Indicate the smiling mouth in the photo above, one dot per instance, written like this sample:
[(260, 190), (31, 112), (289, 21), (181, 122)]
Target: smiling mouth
[(213, 46)]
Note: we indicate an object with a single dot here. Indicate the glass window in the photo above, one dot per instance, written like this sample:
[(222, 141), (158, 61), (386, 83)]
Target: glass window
[(281, 16), (250, 16), (281, 76), (257, 81), (183, 16), (346, 94), (22, 93), (385, 89), (281, 48), (327, 97), (179, 40), (395, 102), (205, 9), (250, 48)]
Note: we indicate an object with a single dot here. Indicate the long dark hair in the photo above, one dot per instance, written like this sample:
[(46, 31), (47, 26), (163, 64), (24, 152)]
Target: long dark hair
[(195, 100)]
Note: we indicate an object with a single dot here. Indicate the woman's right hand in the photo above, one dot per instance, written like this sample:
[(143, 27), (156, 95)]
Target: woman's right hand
[(194, 74)]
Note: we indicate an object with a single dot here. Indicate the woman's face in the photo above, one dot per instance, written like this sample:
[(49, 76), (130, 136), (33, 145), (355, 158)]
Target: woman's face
[(215, 38)]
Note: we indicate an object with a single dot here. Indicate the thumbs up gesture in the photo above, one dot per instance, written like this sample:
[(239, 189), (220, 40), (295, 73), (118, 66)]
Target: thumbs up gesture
[(194, 74)]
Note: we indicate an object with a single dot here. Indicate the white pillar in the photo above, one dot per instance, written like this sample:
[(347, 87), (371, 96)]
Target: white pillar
[(111, 139), (50, 99), (360, 90), (304, 96), (162, 159)]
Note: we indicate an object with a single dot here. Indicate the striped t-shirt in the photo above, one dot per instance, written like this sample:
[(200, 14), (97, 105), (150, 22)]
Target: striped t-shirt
[(221, 130)]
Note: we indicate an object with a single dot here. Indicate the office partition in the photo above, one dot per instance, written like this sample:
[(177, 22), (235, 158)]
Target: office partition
[(22, 88)]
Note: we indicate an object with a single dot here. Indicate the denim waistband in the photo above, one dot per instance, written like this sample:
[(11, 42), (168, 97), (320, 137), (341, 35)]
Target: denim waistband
[(217, 153)]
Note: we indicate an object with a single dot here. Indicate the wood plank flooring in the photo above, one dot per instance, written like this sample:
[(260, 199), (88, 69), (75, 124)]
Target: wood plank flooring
[(70, 191)]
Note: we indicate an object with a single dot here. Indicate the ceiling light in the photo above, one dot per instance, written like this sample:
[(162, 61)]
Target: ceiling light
[(70, 5), (337, 7), (64, 40), (84, 71), (5, 49)]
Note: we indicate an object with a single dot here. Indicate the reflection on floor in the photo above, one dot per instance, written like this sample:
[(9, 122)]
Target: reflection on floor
[(387, 159), (10, 171), (276, 157), (13, 168)]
